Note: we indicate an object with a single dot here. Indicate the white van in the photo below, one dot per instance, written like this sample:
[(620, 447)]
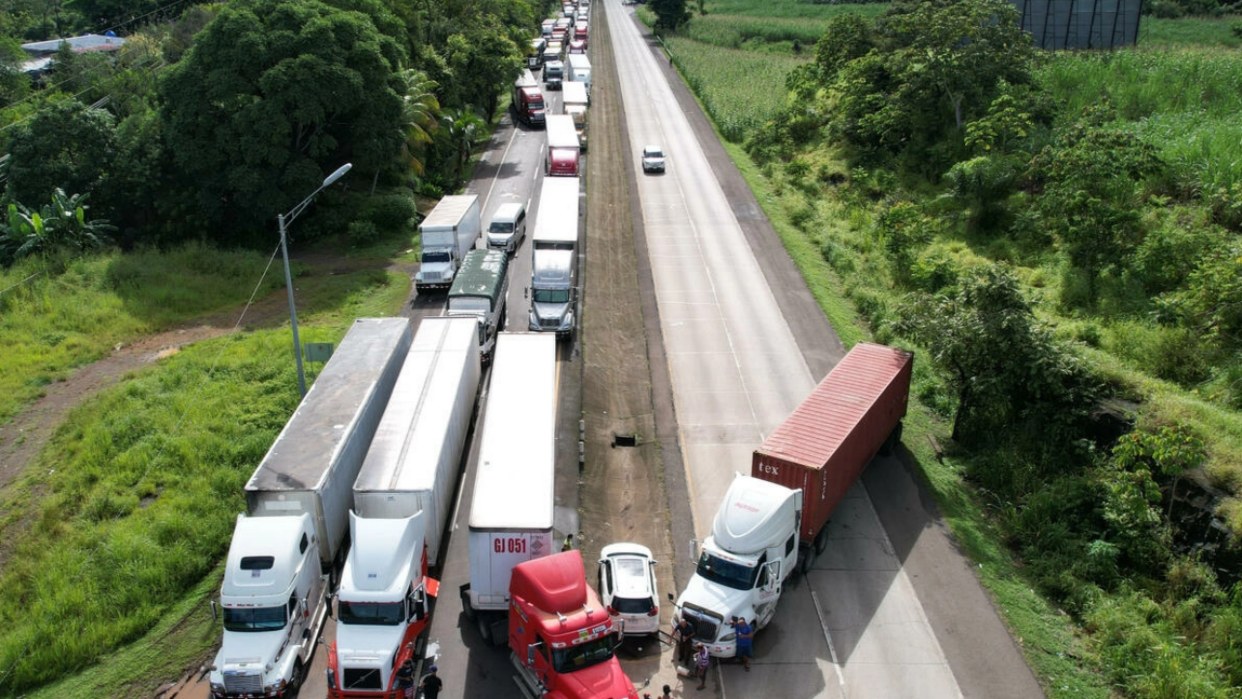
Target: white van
[(508, 227)]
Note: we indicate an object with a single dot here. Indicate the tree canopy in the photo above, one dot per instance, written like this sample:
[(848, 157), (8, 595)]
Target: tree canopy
[(273, 95)]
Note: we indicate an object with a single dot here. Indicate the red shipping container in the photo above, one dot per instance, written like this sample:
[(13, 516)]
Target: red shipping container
[(823, 446)]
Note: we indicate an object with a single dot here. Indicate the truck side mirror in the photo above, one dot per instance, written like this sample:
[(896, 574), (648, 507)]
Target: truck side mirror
[(670, 597), (215, 611), (526, 293), (304, 607), (530, 652)]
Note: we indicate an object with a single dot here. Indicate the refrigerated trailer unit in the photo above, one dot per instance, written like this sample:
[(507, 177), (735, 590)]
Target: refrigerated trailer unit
[(554, 258), (511, 511), (274, 598), (312, 465), (415, 458), (564, 150), (402, 500)]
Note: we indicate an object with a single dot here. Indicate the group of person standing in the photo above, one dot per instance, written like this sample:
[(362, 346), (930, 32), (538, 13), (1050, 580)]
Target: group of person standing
[(693, 654)]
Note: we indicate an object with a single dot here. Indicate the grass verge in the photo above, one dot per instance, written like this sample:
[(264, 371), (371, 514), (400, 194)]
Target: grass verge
[(132, 502), (55, 317)]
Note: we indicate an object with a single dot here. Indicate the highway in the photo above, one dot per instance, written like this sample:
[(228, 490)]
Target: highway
[(744, 345), (854, 627)]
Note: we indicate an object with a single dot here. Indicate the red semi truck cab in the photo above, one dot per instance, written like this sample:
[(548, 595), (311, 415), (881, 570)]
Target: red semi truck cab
[(561, 636)]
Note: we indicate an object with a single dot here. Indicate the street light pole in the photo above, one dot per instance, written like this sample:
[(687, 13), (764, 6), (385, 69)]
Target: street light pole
[(281, 220)]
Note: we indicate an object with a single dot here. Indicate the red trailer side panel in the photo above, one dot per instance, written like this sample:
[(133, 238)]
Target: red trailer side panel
[(823, 446)]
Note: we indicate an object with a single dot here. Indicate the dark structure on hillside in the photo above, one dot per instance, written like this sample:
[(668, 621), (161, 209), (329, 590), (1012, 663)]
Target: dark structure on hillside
[(1081, 24)]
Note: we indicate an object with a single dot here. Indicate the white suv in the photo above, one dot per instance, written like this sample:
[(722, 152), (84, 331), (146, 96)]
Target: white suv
[(628, 585), (653, 159)]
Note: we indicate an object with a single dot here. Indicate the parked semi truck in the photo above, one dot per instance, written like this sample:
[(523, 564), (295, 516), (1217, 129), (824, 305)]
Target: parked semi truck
[(564, 151), (285, 548), (775, 520), (479, 292), (554, 258), (511, 512), (561, 636), (447, 234), (402, 501), (527, 99), (574, 101)]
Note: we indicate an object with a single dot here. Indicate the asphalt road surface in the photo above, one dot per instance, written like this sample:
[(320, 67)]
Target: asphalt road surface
[(855, 625)]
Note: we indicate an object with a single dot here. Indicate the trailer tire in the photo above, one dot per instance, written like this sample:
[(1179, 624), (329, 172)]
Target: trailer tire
[(891, 442), (485, 629), (465, 606), (821, 540)]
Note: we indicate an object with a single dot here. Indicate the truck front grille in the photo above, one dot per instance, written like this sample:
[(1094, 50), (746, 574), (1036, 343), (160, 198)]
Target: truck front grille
[(550, 323), (243, 683), (362, 678)]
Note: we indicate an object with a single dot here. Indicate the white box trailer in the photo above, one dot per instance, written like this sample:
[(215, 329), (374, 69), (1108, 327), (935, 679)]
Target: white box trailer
[(579, 70), (415, 458), (511, 510), (447, 234), (312, 465)]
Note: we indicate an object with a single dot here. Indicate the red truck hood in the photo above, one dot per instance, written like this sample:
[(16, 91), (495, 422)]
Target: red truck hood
[(603, 681)]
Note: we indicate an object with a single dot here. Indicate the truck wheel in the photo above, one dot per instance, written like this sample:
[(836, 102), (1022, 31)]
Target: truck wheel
[(465, 606), (805, 563), (821, 540), (295, 682), (485, 629)]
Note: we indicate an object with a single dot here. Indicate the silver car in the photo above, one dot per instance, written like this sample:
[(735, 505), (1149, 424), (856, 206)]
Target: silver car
[(627, 583), (653, 159)]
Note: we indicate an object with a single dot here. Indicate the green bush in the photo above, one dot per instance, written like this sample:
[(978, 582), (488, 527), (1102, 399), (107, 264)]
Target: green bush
[(1226, 206), (1169, 253), (1146, 657), (363, 233), (392, 213)]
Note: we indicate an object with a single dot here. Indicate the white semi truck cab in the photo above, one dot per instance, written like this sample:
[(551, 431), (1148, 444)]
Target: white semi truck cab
[(274, 600), (743, 565), (383, 604)]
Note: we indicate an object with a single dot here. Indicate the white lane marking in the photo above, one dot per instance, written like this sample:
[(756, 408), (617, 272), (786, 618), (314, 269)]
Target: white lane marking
[(832, 651), (504, 158)]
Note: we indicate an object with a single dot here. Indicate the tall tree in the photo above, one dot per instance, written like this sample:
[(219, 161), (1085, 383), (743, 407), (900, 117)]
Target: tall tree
[(14, 84), (67, 146), (670, 14), (420, 115), (1092, 193), (272, 96), (483, 61), (1004, 366), (936, 66)]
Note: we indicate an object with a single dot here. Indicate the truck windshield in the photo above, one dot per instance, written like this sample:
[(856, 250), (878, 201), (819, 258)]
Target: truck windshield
[(583, 656), (254, 619), (435, 256), (371, 613), (470, 304), (550, 295), (727, 573)]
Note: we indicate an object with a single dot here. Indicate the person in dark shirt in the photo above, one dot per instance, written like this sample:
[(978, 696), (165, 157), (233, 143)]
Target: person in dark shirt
[(405, 678), (432, 684), (683, 634)]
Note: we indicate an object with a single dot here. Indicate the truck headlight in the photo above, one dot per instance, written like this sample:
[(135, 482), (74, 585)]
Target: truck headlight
[(728, 638)]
